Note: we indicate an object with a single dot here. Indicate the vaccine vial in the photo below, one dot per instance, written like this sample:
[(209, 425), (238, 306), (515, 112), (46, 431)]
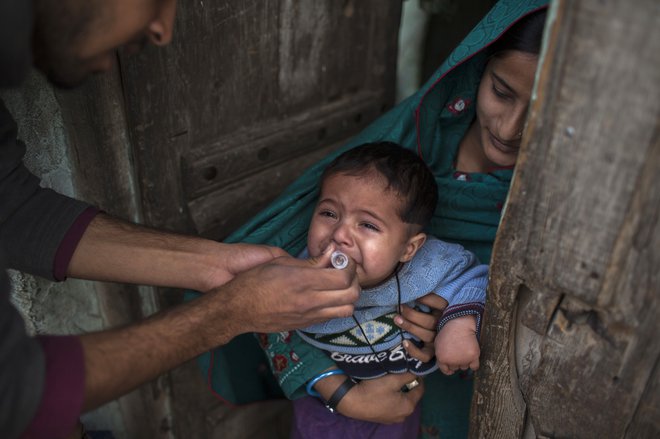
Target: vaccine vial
[(339, 260)]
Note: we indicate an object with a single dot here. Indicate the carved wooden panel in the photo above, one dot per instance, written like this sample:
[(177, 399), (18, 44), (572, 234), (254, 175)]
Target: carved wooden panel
[(570, 339), (248, 94)]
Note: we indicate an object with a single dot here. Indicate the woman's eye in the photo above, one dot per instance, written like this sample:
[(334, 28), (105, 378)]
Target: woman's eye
[(500, 93)]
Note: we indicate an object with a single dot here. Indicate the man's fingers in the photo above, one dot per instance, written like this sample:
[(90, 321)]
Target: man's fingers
[(313, 275), (323, 276), (332, 259), (319, 306), (330, 312), (322, 260), (291, 261), (329, 289)]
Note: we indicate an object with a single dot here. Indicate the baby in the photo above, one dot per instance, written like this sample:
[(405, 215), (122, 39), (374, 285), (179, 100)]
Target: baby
[(374, 204)]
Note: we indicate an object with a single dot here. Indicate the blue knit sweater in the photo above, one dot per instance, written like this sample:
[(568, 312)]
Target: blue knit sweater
[(372, 347)]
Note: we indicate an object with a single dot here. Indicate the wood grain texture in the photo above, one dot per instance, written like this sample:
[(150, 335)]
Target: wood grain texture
[(220, 212), (101, 158), (249, 93), (570, 335), (237, 71)]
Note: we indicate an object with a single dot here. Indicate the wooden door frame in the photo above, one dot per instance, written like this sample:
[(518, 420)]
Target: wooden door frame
[(569, 341)]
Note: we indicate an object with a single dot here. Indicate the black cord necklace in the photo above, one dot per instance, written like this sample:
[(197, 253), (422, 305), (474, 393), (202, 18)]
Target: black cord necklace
[(398, 310)]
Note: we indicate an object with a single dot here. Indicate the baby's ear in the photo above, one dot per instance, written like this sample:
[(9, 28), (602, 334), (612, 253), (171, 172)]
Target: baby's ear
[(414, 243)]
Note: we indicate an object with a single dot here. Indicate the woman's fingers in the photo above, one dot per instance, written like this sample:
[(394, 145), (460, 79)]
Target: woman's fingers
[(435, 302), (419, 324), (423, 354)]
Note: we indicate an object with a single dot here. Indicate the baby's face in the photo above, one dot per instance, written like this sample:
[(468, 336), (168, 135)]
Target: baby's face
[(360, 217)]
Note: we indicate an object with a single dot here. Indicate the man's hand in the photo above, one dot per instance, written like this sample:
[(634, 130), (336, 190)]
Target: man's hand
[(284, 294), (115, 250), (456, 345), (233, 259)]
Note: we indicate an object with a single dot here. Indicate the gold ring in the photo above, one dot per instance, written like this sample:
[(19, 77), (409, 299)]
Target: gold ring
[(411, 385)]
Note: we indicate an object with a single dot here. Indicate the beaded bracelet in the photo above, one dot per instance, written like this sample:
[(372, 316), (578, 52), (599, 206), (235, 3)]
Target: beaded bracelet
[(319, 377)]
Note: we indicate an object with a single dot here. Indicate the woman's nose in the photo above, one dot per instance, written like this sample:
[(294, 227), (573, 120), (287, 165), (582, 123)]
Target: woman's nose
[(513, 125)]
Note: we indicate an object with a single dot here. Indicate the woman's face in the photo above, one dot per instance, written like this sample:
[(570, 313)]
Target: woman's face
[(502, 103)]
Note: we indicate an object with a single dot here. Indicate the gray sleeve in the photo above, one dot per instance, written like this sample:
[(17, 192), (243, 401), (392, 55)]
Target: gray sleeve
[(22, 367), (33, 220)]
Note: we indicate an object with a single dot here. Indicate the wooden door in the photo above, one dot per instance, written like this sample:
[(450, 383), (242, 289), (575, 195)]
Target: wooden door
[(249, 94), (198, 136), (571, 330)]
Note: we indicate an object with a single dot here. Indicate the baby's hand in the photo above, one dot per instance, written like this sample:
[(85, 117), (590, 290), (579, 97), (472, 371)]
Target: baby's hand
[(456, 345)]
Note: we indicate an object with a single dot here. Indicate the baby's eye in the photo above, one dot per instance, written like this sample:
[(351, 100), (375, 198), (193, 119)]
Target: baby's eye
[(370, 226), (327, 213)]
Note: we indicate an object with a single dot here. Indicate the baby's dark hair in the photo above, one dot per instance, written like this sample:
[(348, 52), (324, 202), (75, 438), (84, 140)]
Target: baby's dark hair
[(525, 35), (406, 174)]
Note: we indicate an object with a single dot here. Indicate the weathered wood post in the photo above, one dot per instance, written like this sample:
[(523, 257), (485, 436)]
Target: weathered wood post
[(571, 330)]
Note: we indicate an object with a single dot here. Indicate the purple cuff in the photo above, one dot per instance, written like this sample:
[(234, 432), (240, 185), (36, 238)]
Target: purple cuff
[(70, 242), (64, 388), (464, 309)]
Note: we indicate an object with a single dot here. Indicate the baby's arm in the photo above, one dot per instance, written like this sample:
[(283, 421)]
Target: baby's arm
[(457, 346), (457, 342)]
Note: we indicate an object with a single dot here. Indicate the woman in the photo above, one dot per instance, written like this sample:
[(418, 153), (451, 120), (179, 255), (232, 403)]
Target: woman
[(466, 123)]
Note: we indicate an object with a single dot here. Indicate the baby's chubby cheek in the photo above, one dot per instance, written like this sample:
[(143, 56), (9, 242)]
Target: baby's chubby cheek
[(317, 248)]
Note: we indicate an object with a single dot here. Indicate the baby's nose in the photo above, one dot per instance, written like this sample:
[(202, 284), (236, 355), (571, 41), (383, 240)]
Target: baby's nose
[(342, 235)]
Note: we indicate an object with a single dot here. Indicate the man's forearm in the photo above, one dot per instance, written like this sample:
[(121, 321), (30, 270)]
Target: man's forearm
[(118, 361), (117, 251), (284, 294)]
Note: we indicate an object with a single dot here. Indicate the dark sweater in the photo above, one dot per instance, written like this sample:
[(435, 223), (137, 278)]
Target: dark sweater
[(41, 378)]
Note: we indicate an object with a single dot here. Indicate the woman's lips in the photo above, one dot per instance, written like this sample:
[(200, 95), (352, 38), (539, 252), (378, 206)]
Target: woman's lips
[(504, 147)]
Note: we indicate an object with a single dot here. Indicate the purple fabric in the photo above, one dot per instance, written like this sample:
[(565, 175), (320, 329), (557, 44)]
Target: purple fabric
[(64, 388), (70, 242), (311, 420)]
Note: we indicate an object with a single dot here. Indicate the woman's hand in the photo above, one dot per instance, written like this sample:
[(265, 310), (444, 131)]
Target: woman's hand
[(422, 325), (381, 400)]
